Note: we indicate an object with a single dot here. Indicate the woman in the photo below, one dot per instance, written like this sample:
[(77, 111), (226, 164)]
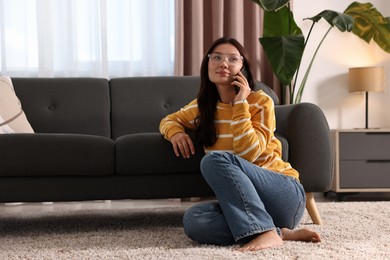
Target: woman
[(260, 198)]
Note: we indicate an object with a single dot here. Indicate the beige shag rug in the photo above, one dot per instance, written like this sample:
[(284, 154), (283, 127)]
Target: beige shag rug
[(351, 230)]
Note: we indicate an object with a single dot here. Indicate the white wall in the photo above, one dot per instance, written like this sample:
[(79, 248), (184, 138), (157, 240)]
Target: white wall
[(327, 85)]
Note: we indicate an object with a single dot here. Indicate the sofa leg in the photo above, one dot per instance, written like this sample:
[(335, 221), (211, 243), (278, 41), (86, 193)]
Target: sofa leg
[(312, 209)]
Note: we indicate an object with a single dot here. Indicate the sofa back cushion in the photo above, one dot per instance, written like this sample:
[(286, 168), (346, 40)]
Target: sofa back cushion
[(66, 105), (139, 103)]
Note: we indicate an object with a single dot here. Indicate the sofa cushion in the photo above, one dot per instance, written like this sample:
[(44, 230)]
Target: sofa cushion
[(66, 105), (12, 117), (139, 103), (56, 155), (150, 153)]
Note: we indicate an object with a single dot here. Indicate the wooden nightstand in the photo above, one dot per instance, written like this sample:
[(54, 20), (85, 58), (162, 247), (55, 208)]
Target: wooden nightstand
[(362, 160)]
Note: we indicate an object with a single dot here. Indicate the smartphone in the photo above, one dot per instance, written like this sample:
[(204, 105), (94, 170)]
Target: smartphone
[(243, 71)]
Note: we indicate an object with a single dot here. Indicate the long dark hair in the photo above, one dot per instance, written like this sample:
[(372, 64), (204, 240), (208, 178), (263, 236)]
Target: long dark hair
[(208, 96)]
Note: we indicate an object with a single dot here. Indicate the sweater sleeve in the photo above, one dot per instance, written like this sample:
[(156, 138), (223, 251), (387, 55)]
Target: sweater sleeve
[(179, 121), (253, 125)]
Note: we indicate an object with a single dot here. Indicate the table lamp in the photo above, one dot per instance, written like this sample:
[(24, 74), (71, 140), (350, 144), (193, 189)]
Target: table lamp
[(367, 79)]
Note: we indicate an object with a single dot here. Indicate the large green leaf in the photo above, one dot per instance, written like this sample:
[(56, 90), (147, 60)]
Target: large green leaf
[(271, 5), (284, 54), (283, 43), (343, 22), (279, 23), (370, 24)]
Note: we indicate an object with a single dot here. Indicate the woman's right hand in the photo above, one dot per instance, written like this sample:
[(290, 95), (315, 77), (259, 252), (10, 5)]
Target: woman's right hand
[(182, 144)]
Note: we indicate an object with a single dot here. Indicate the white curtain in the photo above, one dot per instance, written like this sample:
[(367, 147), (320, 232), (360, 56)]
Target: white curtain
[(92, 38)]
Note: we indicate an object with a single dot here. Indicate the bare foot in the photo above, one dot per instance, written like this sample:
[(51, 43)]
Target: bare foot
[(302, 234), (262, 241)]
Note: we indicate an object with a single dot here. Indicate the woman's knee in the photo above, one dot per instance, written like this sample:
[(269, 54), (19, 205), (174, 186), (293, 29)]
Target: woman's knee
[(206, 224), (211, 162), (195, 222), (188, 223)]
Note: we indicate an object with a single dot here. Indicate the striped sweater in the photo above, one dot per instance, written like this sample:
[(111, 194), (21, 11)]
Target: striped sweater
[(245, 129)]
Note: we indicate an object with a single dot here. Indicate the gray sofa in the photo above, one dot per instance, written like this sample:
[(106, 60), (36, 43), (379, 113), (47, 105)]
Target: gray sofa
[(99, 139)]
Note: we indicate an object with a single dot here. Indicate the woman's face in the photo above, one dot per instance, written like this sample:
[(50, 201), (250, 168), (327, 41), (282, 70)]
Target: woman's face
[(224, 63)]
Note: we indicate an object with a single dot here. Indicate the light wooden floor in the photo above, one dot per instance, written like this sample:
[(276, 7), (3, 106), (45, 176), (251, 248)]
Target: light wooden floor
[(36, 208)]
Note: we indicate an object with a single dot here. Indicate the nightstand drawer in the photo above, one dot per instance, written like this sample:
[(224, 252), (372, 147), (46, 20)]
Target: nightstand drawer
[(364, 146), (365, 174)]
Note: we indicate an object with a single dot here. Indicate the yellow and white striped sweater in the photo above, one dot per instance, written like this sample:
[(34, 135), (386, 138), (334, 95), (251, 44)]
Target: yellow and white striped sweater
[(245, 129)]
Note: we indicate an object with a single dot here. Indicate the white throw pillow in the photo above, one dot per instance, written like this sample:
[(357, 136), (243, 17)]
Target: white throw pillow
[(12, 117)]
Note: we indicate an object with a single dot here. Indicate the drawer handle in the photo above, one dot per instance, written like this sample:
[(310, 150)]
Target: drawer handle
[(378, 161)]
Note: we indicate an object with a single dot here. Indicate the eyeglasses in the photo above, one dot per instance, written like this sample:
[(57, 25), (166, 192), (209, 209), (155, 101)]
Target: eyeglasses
[(216, 58)]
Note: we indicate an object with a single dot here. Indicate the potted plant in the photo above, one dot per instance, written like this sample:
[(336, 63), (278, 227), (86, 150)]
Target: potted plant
[(284, 43)]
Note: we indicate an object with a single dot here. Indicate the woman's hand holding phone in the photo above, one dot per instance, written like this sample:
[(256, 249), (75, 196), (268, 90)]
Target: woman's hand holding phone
[(241, 83)]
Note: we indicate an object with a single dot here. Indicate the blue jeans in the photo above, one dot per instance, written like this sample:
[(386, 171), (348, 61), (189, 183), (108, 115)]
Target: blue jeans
[(251, 200)]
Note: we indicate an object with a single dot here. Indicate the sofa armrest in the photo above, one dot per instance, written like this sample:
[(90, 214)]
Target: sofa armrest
[(310, 147)]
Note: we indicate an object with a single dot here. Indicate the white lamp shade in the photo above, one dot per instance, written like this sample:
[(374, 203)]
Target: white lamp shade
[(367, 79)]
